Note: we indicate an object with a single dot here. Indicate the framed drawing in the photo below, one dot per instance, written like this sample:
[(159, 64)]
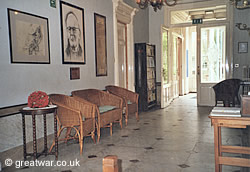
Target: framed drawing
[(29, 37), (100, 45), (72, 30), (243, 47)]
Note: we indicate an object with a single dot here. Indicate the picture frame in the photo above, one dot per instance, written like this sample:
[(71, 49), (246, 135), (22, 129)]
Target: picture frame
[(72, 33), (100, 45), (242, 47), (29, 38), (74, 73)]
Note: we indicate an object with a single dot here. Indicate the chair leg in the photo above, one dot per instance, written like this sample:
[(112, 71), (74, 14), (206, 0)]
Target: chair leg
[(98, 134), (126, 116), (81, 145), (137, 116), (93, 136), (120, 121), (110, 130), (58, 135)]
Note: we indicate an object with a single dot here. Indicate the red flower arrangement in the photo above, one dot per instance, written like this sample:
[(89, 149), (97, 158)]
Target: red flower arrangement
[(38, 99)]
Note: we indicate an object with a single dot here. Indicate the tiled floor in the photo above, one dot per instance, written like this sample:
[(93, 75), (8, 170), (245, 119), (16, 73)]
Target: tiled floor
[(178, 138)]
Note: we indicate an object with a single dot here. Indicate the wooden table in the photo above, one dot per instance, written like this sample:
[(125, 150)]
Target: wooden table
[(230, 122), (39, 111)]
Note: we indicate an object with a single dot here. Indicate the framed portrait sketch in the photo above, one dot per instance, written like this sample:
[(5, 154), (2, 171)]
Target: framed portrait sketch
[(29, 38), (72, 30), (100, 45), (243, 47)]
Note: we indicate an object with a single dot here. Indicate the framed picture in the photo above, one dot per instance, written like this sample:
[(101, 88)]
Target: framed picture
[(74, 73), (242, 47), (29, 37), (72, 30), (100, 45)]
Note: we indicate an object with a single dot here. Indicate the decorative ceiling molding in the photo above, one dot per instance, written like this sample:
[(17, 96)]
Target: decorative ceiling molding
[(124, 12)]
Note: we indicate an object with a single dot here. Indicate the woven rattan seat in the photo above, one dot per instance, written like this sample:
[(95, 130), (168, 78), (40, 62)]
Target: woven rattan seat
[(74, 114), (102, 98), (130, 100)]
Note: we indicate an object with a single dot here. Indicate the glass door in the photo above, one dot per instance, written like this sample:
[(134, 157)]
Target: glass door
[(211, 67), (164, 69)]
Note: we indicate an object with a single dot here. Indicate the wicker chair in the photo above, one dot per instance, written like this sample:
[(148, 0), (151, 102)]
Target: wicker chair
[(74, 114), (101, 99), (227, 92), (130, 100)]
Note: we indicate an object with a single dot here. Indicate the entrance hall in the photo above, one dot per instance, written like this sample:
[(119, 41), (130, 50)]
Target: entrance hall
[(178, 138)]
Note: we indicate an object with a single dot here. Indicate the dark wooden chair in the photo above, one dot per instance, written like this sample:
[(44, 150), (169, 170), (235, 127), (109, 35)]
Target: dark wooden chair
[(226, 92)]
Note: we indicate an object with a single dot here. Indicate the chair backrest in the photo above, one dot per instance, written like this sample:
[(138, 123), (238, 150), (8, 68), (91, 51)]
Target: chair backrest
[(98, 97), (87, 109), (116, 90), (227, 90), (91, 95), (122, 92)]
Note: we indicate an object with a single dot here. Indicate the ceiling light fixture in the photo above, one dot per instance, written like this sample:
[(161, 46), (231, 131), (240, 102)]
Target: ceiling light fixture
[(156, 4)]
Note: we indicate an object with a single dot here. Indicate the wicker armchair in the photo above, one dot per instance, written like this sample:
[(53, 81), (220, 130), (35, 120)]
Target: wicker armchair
[(227, 92), (74, 114), (101, 99), (130, 100)]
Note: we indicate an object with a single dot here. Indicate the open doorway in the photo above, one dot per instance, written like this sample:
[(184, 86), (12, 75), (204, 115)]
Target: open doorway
[(196, 72)]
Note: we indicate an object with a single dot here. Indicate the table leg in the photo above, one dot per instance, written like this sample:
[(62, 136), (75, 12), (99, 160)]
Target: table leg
[(217, 144), (45, 135), (24, 138), (55, 132), (220, 153), (34, 136)]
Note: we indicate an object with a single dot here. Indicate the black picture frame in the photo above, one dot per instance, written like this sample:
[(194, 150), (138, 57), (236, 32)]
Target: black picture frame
[(243, 47), (72, 33), (29, 37), (100, 45)]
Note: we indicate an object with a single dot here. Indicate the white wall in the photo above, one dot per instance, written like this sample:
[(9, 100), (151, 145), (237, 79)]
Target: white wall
[(141, 23), (17, 81), (156, 20)]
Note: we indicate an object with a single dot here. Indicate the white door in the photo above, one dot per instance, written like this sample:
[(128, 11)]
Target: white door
[(122, 55), (211, 61)]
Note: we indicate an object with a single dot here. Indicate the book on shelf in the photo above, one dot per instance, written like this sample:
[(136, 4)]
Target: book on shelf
[(226, 111)]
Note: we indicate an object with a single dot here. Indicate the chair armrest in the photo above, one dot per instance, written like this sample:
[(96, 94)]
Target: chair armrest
[(68, 116), (132, 96), (86, 108)]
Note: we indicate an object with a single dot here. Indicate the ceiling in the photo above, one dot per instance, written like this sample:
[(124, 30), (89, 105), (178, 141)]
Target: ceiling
[(211, 13)]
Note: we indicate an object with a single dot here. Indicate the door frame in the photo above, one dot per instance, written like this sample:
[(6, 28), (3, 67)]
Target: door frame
[(125, 54), (124, 13), (229, 21), (228, 62)]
